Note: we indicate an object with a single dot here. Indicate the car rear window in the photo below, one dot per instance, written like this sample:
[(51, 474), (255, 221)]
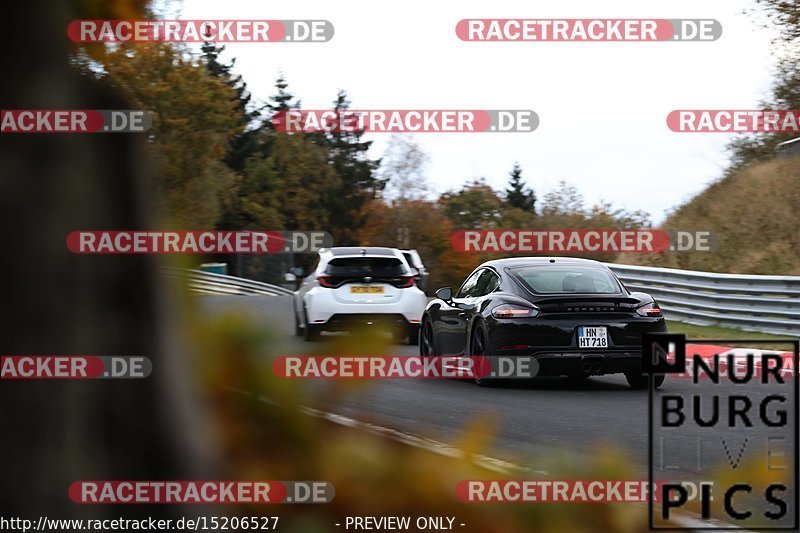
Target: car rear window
[(366, 266), (566, 280)]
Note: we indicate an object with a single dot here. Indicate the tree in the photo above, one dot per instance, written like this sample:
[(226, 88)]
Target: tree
[(403, 173), (785, 93), (475, 206), (283, 100), (785, 14), (194, 116), (357, 173), (403, 169), (565, 200), (244, 143), (749, 148), (517, 195), (604, 216), (294, 181)]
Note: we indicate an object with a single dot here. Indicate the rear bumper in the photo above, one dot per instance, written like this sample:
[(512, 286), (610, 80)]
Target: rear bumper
[(588, 363), (554, 344), (351, 322), (322, 307)]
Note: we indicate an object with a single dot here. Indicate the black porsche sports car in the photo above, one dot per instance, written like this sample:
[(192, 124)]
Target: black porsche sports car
[(573, 316)]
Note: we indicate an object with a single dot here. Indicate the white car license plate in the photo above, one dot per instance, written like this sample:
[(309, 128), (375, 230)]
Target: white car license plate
[(592, 337), (360, 289)]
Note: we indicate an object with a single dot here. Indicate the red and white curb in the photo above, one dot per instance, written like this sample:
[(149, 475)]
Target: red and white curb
[(737, 356)]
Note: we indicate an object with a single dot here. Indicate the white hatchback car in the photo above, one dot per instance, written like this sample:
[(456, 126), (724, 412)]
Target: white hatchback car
[(351, 288)]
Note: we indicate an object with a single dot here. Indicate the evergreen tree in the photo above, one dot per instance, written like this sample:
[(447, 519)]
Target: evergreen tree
[(282, 100), (517, 194), (245, 143), (359, 183)]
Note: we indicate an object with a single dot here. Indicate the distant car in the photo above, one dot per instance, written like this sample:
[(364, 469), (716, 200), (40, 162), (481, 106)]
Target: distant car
[(572, 315), (420, 274), (351, 288)]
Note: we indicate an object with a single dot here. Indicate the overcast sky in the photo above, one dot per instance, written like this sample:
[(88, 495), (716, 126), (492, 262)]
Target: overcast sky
[(602, 105)]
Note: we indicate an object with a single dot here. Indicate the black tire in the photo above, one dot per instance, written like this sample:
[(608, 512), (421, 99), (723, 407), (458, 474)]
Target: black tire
[(298, 329), (639, 381), (480, 347), (412, 337), (310, 333), (426, 347)]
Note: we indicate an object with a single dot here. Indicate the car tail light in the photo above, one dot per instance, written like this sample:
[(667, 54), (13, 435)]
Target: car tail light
[(405, 281), (514, 311), (325, 281), (651, 309)]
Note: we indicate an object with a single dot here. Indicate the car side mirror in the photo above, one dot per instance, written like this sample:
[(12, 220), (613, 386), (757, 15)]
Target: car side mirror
[(297, 271), (445, 293)]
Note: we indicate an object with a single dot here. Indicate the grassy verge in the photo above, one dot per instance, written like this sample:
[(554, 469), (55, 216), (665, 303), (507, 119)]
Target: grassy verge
[(717, 332)]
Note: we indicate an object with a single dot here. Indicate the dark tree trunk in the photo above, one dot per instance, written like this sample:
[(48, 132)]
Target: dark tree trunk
[(54, 302)]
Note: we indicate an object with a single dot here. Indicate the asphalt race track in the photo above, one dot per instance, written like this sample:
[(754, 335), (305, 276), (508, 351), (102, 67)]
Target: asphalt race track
[(543, 417)]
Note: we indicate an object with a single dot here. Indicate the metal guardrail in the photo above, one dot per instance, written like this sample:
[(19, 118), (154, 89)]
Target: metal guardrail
[(209, 283), (769, 304)]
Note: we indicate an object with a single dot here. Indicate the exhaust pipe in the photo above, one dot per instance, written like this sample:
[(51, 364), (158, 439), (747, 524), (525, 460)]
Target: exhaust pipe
[(592, 367)]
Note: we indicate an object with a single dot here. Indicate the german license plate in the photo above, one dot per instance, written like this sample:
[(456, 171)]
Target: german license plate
[(592, 337), (360, 289)]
